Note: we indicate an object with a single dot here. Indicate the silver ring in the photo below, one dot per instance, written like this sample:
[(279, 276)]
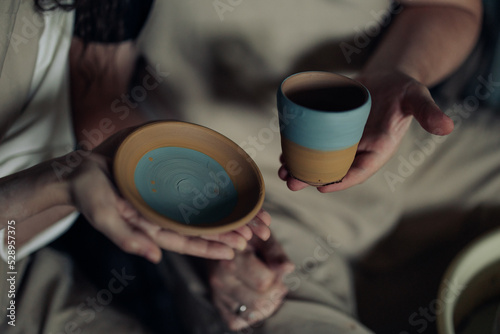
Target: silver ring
[(242, 308)]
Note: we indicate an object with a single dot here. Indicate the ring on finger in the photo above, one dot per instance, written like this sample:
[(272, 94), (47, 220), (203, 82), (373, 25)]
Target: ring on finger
[(240, 309)]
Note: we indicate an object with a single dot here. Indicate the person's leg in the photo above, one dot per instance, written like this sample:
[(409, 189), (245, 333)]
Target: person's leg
[(450, 189), (321, 298), (52, 297), (146, 296)]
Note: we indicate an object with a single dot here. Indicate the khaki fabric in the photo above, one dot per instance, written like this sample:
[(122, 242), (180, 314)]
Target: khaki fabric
[(53, 297)]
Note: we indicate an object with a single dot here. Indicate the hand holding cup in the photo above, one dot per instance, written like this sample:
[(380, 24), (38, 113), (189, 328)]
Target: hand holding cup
[(322, 117)]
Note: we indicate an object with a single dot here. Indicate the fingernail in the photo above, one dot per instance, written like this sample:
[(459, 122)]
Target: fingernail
[(438, 132), (239, 324), (242, 244), (229, 255), (153, 256)]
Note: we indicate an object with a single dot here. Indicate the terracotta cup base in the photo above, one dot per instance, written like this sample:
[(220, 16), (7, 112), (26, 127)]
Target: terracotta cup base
[(315, 167), (315, 184)]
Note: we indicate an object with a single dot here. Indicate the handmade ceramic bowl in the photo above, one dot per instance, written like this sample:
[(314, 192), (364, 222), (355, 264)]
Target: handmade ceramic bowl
[(469, 294), (188, 178), (322, 117)]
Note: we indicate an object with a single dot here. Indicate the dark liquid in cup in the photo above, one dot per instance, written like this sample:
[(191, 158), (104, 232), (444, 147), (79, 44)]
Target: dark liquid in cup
[(338, 98)]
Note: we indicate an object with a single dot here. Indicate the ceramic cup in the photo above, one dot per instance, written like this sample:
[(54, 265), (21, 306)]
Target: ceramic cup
[(322, 117), (469, 295)]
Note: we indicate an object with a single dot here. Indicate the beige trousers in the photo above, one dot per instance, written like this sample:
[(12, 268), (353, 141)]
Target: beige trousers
[(53, 297)]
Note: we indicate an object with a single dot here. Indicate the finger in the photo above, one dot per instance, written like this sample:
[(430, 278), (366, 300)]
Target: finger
[(234, 322), (198, 247), (291, 182), (275, 257), (419, 102), (235, 292), (283, 173), (125, 236), (260, 229), (231, 239), (295, 185), (245, 231), (373, 152), (263, 306), (194, 246), (126, 210), (260, 225), (365, 165), (265, 217), (255, 274), (257, 306), (107, 212), (229, 303)]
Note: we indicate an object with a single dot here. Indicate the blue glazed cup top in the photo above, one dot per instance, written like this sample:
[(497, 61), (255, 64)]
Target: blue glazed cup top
[(319, 129)]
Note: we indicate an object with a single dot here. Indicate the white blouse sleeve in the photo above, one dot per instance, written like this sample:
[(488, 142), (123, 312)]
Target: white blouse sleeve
[(40, 240)]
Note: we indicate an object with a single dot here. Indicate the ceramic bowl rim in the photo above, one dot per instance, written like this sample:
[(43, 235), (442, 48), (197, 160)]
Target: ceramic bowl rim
[(445, 318), (155, 217)]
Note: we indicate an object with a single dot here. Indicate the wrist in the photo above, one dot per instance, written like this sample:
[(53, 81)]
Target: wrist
[(73, 169), (68, 170), (29, 192), (59, 181)]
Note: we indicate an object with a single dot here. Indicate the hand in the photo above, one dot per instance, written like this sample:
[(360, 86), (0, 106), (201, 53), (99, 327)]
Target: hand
[(396, 98), (93, 194), (254, 278)]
